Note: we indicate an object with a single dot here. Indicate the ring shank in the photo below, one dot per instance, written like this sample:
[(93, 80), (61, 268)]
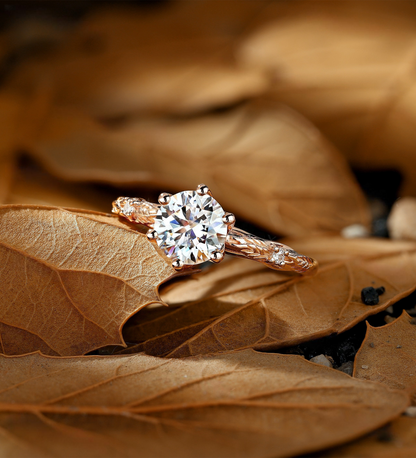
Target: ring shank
[(242, 243), (274, 255)]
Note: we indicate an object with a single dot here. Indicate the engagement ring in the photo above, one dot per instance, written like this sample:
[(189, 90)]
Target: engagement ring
[(191, 227)]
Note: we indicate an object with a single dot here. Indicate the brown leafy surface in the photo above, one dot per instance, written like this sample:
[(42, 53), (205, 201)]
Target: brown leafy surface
[(120, 61), (244, 404), (249, 156), (388, 355), (241, 305), (71, 279), (396, 440), (349, 67)]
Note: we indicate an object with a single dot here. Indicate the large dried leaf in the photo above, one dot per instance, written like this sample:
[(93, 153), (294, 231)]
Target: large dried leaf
[(244, 404), (396, 440), (262, 162), (123, 60), (349, 67), (388, 355), (242, 305), (71, 279)]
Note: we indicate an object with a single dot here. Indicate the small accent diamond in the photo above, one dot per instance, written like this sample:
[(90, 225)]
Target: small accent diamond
[(128, 209), (278, 257)]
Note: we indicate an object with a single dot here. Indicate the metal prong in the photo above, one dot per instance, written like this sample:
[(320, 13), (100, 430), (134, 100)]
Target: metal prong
[(164, 198), (116, 206), (177, 265), (287, 253), (202, 190), (216, 256), (229, 219), (151, 235)]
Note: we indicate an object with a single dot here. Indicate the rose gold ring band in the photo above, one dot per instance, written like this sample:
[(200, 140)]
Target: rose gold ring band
[(274, 255)]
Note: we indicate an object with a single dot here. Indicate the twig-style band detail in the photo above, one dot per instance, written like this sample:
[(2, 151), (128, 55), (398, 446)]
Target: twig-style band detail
[(238, 242)]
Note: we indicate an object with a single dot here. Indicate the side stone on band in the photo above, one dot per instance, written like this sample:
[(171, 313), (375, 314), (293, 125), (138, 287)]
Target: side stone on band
[(191, 227)]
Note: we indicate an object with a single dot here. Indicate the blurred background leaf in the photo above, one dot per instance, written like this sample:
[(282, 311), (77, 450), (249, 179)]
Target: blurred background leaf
[(349, 66), (262, 162)]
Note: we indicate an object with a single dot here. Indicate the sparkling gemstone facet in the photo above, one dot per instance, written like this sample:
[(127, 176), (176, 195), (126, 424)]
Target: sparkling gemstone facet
[(278, 256), (190, 227), (128, 209)]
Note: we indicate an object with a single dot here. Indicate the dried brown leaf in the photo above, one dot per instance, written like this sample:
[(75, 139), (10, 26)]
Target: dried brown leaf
[(241, 305), (70, 279), (261, 161), (388, 355), (397, 440), (349, 67), (244, 404)]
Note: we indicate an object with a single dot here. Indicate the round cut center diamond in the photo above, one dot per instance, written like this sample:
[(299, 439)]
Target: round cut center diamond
[(190, 227)]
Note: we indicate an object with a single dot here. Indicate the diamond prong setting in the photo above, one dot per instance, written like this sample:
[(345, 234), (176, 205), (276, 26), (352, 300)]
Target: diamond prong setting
[(216, 256), (278, 256), (202, 190), (151, 235), (190, 228), (164, 198), (229, 219), (177, 265)]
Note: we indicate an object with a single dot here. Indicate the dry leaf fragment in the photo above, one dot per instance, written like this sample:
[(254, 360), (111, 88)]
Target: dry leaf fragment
[(388, 355), (71, 279), (243, 306), (243, 404), (262, 162), (395, 440)]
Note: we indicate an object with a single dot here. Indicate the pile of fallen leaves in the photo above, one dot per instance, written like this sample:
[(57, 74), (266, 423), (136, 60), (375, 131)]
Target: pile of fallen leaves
[(105, 351)]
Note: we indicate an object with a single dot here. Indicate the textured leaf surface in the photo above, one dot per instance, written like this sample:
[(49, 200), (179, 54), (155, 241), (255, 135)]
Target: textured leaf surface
[(244, 404), (262, 162), (398, 440), (71, 279), (240, 304), (388, 355)]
